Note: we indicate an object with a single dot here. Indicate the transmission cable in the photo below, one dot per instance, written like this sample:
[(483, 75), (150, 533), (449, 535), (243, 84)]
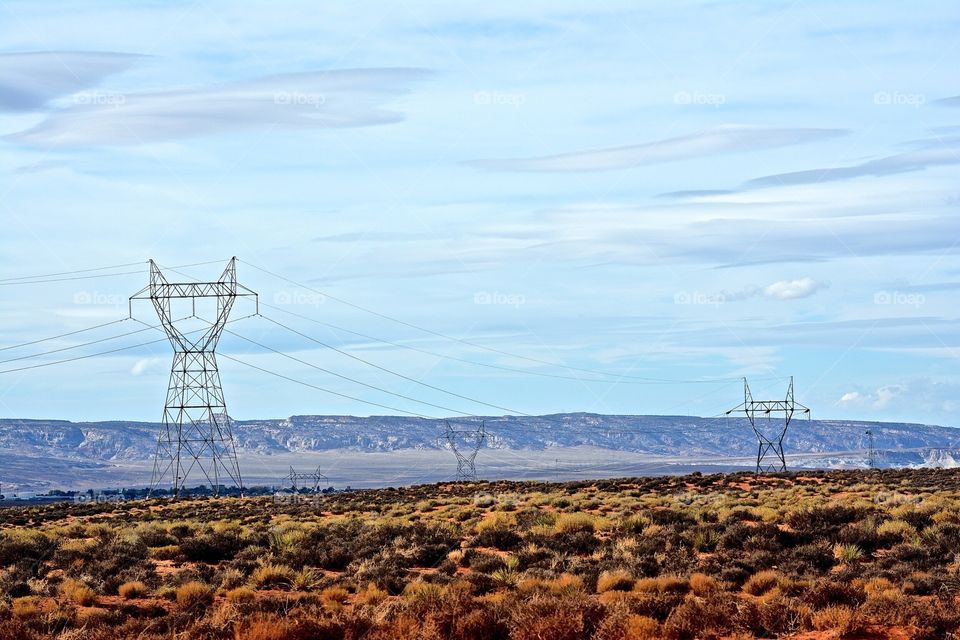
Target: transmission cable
[(435, 354), (62, 335), (78, 346), (336, 393), (347, 378), (102, 353), (45, 279), (391, 372), (477, 345), (68, 273)]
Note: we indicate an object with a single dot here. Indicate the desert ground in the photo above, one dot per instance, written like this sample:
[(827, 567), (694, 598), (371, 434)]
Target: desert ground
[(837, 554)]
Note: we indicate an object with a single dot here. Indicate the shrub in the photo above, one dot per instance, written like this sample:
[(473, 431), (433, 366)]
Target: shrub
[(617, 580), (372, 595), (702, 584), (847, 553), (841, 619), (241, 595), (193, 595), (78, 593), (762, 582), (333, 597), (897, 531), (663, 584), (27, 607), (641, 628), (133, 590), (269, 575), (574, 523)]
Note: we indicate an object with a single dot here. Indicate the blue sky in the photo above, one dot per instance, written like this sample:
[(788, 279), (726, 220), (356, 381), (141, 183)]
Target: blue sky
[(684, 191)]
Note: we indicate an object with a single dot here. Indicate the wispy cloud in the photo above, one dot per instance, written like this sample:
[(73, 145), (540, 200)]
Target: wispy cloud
[(330, 99), (937, 153), (717, 141), (28, 81)]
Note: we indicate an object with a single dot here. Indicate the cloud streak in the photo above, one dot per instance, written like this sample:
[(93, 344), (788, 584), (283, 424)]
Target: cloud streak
[(331, 99), (938, 153), (717, 141), (28, 81)]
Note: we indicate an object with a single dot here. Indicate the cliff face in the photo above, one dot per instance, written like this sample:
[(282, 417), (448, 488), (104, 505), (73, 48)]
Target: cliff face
[(82, 450)]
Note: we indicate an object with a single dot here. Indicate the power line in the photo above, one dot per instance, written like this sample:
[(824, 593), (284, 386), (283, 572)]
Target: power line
[(43, 279), (435, 354), (99, 353), (62, 335), (390, 371), (347, 378), (477, 345), (336, 393), (67, 273), (78, 346)]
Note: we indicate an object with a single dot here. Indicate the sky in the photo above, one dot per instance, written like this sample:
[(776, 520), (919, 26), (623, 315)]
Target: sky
[(612, 207)]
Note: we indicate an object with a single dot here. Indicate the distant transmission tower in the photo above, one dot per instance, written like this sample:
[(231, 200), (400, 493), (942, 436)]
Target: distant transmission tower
[(471, 438), (298, 476), (770, 433), (197, 432), (872, 451)]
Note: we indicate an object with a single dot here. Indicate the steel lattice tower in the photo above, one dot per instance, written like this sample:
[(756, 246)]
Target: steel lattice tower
[(197, 432), (474, 438), (872, 451), (296, 476), (770, 434)]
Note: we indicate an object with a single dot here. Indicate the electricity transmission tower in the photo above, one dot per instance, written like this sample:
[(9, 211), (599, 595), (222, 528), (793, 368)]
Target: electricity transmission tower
[(297, 476), (770, 433), (473, 439), (872, 451), (197, 433)]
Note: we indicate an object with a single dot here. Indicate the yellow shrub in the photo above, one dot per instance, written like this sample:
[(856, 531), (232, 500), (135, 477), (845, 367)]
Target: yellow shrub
[(193, 595), (641, 628), (27, 607), (573, 522), (132, 590), (618, 580), (241, 595), (702, 584), (78, 593), (761, 582), (844, 620), (272, 575)]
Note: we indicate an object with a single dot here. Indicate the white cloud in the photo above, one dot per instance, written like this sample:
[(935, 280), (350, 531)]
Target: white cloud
[(850, 398), (330, 99), (792, 289), (719, 140), (143, 365)]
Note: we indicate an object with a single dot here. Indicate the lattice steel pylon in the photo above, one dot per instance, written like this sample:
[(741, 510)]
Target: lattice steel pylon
[(466, 463), (197, 432), (872, 451), (295, 476), (769, 435)]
